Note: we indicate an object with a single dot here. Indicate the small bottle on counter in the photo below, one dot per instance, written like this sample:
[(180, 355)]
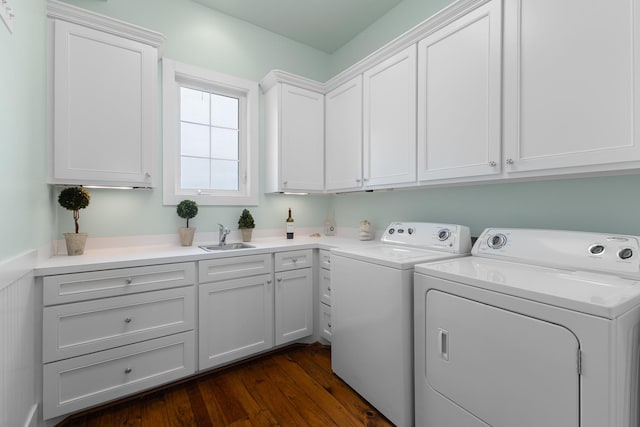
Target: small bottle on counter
[(290, 226)]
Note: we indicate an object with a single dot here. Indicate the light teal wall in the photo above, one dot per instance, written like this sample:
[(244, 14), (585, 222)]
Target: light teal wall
[(197, 35), (406, 15), (25, 213), (606, 204)]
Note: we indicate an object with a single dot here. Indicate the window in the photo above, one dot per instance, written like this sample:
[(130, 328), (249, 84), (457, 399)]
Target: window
[(210, 137)]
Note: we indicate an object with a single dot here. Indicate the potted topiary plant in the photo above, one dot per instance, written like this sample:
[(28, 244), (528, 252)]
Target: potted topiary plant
[(246, 225), (74, 199), (187, 209)]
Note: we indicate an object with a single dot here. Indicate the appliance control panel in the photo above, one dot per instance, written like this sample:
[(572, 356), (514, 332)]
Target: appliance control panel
[(564, 249), (444, 237)]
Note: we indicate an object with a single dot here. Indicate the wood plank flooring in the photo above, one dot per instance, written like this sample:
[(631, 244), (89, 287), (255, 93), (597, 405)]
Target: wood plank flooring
[(291, 387)]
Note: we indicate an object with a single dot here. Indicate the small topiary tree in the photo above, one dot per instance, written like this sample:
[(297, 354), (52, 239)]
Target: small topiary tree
[(187, 209), (74, 199), (246, 220)]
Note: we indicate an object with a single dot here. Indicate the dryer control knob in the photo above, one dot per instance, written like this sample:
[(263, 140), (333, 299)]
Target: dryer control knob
[(497, 241), (596, 249), (444, 234), (625, 253)]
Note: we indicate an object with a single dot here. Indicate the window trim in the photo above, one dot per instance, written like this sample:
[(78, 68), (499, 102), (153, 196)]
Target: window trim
[(176, 74)]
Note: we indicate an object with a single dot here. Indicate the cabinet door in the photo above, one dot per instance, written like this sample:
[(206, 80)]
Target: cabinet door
[(459, 69), (571, 95), (302, 139), (235, 319), (105, 90), (390, 120), (294, 305), (343, 141)]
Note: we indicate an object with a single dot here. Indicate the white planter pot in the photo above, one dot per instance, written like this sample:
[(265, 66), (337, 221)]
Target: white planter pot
[(246, 234), (186, 235), (75, 243)]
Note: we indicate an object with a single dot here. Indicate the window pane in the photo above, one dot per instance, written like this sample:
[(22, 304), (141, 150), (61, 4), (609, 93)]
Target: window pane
[(194, 106), (224, 144), (224, 174), (224, 111), (194, 173), (194, 140)]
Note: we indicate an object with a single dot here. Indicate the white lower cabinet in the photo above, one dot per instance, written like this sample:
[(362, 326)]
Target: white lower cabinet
[(325, 294), (113, 340), (236, 319), (235, 313), (95, 378), (294, 305)]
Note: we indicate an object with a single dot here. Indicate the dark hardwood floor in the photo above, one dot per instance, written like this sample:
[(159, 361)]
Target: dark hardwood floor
[(291, 387)]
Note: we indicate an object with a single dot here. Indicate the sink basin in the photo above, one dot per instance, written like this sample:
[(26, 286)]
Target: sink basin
[(226, 247)]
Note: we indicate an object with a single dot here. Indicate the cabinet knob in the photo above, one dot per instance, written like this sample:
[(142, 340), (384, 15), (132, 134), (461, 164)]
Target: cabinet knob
[(127, 320), (294, 259), (269, 281), (366, 179), (358, 180), (329, 288), (127, 371), (329, 325), (285, 182), (510, 161), (128, 280), (279, 279), (492, 164)]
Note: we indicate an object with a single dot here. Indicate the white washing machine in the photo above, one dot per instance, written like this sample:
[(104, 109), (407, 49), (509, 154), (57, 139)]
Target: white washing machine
[(536, 328), (372, 311)]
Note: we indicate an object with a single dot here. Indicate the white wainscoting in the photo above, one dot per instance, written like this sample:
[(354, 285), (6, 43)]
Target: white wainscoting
[(19, 348)]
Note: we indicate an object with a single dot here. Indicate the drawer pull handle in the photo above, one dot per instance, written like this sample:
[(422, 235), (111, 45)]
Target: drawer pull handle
[(127, 371), (127, 320), (329, 289), (128, 280), (329, 261), (329, 325), (279, 279)]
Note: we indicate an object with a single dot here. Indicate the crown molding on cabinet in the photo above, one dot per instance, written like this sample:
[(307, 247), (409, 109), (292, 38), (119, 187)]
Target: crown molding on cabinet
[(59, 10), (279, 76), (412, 36)]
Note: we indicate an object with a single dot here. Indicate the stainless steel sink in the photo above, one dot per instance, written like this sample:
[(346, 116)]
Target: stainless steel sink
[(226, 247)]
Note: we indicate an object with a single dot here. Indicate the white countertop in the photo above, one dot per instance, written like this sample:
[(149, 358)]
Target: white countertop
[(133, 256)]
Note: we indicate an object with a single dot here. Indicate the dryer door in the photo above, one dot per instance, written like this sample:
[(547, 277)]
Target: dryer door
[(504, 368)]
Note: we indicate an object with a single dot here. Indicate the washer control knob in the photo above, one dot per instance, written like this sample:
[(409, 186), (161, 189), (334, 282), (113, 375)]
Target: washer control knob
[(625, 253), (392, 230), (497, 241), (411, 230), (596, 249), (444, 234)]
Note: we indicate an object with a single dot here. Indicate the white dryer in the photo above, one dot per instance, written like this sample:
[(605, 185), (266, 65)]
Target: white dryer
[(536, 328), (372, 311)]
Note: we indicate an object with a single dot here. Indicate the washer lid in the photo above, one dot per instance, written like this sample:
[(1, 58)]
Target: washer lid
[(400, 257), (598, 294)]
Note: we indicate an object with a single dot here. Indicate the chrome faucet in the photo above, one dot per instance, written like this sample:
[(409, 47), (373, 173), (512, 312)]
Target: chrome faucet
[(222, 234)]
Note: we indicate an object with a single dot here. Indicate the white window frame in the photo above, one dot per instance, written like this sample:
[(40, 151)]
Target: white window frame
[(175, 75)]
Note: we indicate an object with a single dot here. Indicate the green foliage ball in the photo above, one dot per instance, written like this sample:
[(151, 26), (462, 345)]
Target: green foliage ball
[(74, 198)]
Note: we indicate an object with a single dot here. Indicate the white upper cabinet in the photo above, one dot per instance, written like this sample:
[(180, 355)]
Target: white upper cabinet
[(294, 139), (104, 116), (571, 84), (459, 97), (343, 139), (390, 120)]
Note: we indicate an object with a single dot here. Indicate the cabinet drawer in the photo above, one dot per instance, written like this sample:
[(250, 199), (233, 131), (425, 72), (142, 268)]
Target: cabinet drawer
[(81, 382), (122, 281), (325, 322), (325, 286), (325, 259), (213, 270), (85, 327), (291, 260)]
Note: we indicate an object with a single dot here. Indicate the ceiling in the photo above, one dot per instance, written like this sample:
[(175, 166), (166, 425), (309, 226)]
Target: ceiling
[(323, 24)]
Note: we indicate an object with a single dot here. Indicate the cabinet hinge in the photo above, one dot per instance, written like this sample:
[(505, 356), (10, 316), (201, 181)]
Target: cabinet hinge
[(579, 362)]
